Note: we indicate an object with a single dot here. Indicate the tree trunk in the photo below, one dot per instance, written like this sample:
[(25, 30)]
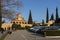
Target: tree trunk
[(0, 17)]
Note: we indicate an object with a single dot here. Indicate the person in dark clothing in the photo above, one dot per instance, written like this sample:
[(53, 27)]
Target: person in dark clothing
[(2, 30), (9, 30)]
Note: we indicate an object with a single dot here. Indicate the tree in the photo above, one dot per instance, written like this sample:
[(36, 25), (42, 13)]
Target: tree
[(57, 13), (52, 17), (0, 20), (3, 21), (30, 21), (0, 16), (6, 8), (8, 14), (47, 16), (10, 4), (14, 26), (42, 22)]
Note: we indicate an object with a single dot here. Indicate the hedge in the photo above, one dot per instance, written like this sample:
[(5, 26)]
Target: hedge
[(51, 32), (27, 27)]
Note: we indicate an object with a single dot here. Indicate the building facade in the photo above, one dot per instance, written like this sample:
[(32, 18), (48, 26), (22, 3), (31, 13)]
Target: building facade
[(6, 25), (20, 20), (50, 22)]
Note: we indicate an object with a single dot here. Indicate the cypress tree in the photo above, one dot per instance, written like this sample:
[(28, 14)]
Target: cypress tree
[(52, 17), (42, 21), (30, 21), (57, 13), (47, 16)]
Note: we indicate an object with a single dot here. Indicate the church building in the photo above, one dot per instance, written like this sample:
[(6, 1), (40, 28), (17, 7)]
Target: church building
[(20, 20)]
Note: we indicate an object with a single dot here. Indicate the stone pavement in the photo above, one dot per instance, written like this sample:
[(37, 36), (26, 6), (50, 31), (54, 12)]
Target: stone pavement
[(25, 35), (1, 34), (52, 36)]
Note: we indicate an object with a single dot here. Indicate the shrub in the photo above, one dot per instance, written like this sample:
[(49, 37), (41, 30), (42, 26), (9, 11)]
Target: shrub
[(52, 32), (19, 27), (16, 26), (27, 27)]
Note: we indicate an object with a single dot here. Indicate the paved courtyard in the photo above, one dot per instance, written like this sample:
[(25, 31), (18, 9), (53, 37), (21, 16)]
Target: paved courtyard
[(25, 35), (0, 34)]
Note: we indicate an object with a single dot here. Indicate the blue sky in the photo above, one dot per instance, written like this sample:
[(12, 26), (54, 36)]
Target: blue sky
[(38, 8)]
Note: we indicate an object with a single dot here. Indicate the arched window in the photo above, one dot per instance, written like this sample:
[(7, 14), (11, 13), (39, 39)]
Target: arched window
[(25, 23), (22, 22), (13, 22), (19, 22)]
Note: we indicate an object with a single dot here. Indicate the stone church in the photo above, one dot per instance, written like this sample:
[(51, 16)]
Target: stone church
[(18, 20)]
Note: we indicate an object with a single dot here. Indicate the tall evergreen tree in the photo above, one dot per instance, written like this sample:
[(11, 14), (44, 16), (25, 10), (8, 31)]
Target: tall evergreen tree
[(30, 21), (47, 16), (57, 13), (42, 21), (52, 17)]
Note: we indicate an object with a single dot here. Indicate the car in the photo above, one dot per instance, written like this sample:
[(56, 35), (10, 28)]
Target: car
[(33, 29), (40, 30), (36, 28)]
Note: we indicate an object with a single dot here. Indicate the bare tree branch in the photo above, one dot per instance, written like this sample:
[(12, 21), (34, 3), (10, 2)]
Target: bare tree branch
[(9, 13)]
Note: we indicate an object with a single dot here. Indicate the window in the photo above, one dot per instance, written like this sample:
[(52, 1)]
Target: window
[(19, 22), (13, 22), (22, 22), (25, 23)]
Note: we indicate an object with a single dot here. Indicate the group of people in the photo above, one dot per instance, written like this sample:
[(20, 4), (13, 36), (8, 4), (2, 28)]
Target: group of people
[(8, 29), (2, 30)]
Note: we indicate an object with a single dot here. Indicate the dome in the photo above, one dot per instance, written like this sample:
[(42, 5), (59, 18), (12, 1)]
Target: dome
[(19, 15)]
